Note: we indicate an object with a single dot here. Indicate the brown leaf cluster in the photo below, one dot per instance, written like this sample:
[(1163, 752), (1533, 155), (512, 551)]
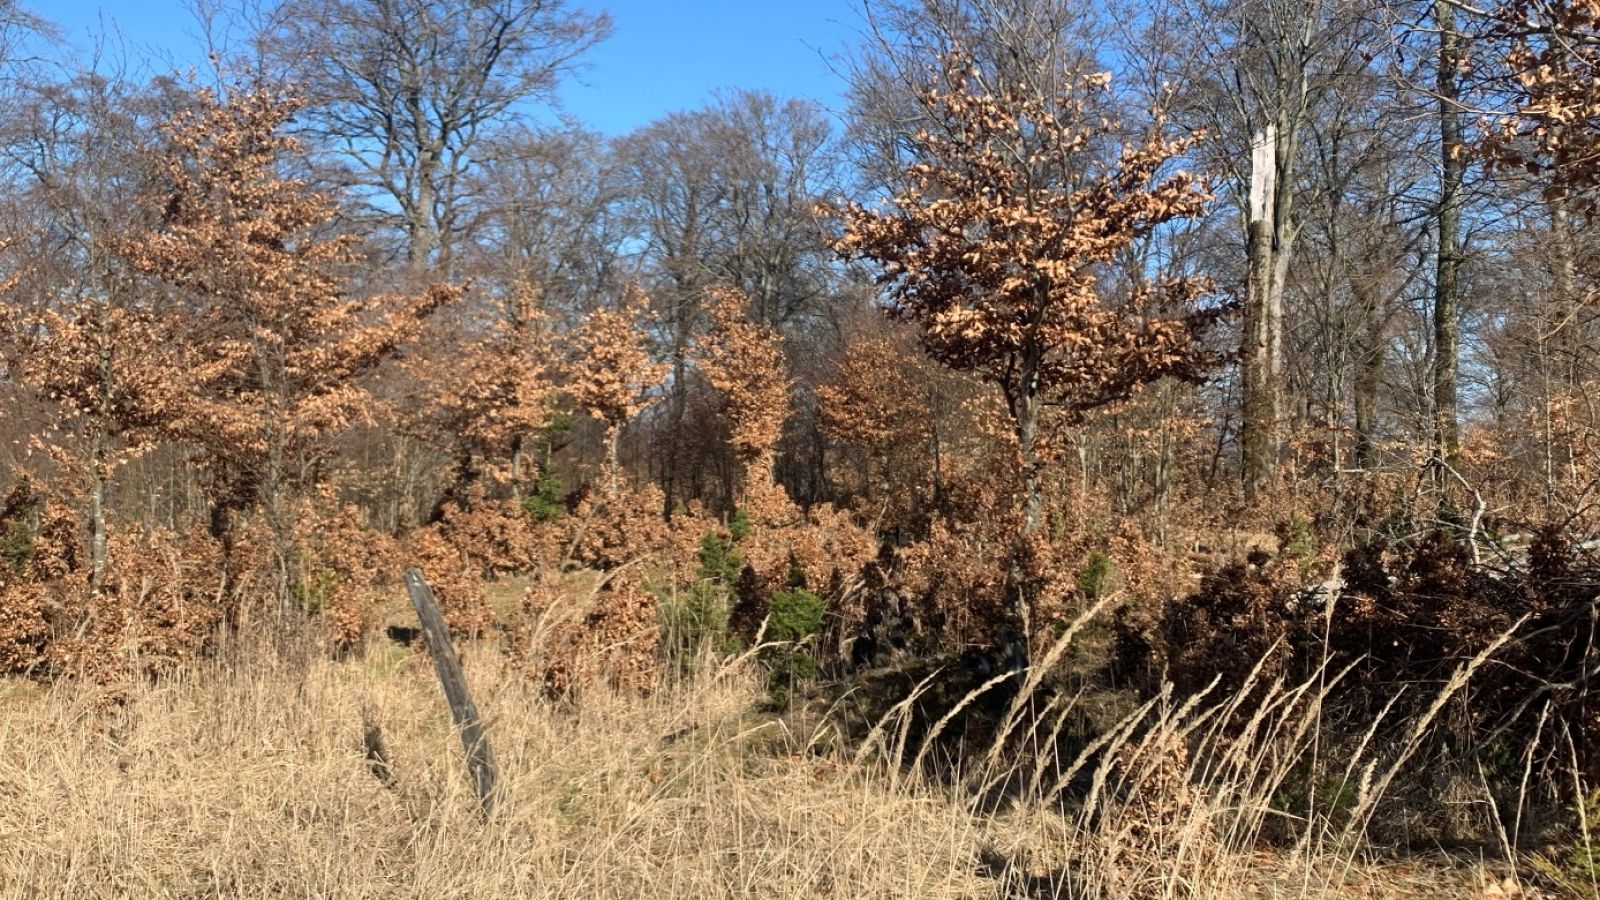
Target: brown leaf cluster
[(1551, 65), (614, 528), (345, 567), (822, 549), (996, 245), (610, 637), (744, 362), (159, 607), (494, 393), (613, 377), (274, 344)]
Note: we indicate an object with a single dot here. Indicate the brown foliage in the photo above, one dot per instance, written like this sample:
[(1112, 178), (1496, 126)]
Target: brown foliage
[(612, 377), (999, 262), (344, 567), (609, 637), (1404, 615), (618, 527), (159, 606), (744, 362), (822, 550), (875, 399), (276, 343), (492, 395), (38, 549), (1550, 65), (456, 581)]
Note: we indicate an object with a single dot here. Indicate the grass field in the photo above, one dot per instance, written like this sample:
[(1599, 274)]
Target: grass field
[(252, 779)]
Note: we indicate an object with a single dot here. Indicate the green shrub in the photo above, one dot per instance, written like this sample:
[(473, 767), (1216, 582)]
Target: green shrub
[(1094, 576), (720, 560), (16, 546), (696, 614), (692, 617), (1297, 539), (544, 504), (315, 590), (796, 614)]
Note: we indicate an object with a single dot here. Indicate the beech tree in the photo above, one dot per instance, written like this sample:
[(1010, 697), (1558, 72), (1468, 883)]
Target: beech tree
[(278, 344), (613, 377), (1447, 259), (996, 246), (744, 362), (85, 339), (492, 395)]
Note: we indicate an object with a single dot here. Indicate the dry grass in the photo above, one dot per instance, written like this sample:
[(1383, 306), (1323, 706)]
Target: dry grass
[(251, 781)]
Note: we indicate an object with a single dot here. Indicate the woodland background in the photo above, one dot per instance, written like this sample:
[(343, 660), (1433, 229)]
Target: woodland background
[(1178, 414)]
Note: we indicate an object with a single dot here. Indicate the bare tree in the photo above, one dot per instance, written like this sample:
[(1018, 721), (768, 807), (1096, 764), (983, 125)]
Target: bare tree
[(407, 90), (1253, 76)]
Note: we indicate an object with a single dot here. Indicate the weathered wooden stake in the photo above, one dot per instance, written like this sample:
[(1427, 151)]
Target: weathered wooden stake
[(480, 759)]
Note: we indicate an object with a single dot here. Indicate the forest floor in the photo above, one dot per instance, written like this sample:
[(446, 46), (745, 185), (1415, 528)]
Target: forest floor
[(252, 779)]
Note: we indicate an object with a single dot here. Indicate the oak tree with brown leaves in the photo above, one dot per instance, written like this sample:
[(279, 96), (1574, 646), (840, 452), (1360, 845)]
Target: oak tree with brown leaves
[(996, 247), (492, 395), (117, 382)]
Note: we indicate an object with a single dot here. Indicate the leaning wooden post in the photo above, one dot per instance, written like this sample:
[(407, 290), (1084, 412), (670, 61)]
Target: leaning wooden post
[(480, 759)]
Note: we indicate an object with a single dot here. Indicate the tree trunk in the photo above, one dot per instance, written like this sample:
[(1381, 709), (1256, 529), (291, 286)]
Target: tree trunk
[(1019, 589), (1368, 376), (1447, 301), (613, 456), (516, 470), (97, 512), (1259, 427), (423, 237), (1568, 325), (1258, 364)]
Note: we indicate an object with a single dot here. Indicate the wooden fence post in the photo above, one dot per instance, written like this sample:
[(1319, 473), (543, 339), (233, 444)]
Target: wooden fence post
[(480, 759)]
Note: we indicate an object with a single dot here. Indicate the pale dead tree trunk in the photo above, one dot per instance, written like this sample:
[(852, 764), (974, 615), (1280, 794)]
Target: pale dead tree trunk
[(98, 467), (1258, 363), (97, 510), (1285, 149), (1447, 300), (1019, 594)]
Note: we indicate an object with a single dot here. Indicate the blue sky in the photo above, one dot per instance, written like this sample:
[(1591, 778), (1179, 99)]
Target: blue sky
[(665, 55)]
